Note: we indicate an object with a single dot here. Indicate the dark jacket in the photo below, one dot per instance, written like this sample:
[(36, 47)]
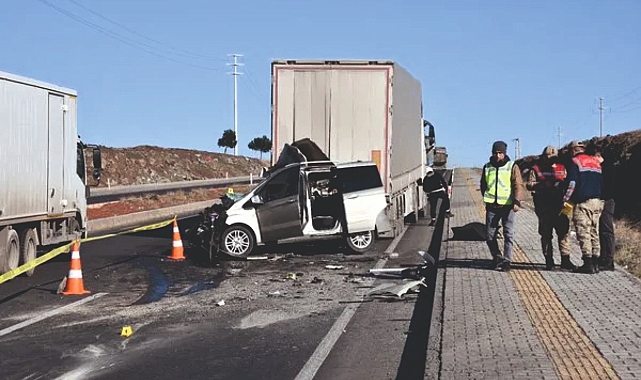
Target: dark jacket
[(434, 183), (584, 178)]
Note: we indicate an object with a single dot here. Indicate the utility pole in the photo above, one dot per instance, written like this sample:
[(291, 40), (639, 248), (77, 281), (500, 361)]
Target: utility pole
[(517, 148), (235, 73), (601, 108), (559, 135)]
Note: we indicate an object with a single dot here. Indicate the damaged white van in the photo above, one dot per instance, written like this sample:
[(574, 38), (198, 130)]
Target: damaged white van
[(307, 199)]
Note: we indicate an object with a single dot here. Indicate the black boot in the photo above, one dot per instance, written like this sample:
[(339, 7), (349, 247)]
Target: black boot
[(549, 262), (586, 267), (496, 263), (548, 253), (595, 264), (566, 263), (606, 264)]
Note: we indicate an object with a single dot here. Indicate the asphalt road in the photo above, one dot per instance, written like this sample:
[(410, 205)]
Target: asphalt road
[(258, 319)]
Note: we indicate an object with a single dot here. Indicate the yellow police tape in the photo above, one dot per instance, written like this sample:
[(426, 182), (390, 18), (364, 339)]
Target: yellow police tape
[(65, 248)]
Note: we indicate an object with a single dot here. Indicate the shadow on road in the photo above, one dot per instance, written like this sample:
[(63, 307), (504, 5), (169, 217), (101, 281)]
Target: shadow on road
[(470, 232)]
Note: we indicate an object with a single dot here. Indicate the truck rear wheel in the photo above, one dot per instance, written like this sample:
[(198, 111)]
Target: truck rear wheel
[(12, 258), (28, 248), (360, 242)]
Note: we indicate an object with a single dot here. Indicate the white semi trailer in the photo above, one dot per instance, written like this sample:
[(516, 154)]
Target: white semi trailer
[(356, 110), (43, 178)]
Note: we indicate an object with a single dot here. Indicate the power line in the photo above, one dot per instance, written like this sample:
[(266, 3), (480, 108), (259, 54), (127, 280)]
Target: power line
[(116, 36), (169, 48)]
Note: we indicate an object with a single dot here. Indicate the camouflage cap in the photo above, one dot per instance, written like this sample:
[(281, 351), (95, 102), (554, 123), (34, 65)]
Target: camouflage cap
[(577, 144), (550, 151)]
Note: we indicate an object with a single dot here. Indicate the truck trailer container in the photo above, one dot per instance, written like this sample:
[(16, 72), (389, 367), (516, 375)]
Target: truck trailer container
[(356, 110), (43, 176)]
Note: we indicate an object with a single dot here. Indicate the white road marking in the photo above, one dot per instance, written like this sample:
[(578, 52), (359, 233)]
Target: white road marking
[(325, 347), (48, 314)]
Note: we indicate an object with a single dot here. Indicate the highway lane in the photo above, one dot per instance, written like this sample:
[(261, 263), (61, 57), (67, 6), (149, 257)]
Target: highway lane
[(275, 313)]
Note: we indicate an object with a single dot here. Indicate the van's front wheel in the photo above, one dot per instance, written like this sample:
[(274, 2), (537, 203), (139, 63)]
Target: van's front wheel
[(361, 242), (237, 241)]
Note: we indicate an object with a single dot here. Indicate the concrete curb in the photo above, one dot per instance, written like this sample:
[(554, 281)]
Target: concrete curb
[(120, 223)]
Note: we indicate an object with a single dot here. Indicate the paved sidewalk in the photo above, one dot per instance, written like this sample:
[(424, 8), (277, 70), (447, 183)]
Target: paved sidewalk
[(530, 323)]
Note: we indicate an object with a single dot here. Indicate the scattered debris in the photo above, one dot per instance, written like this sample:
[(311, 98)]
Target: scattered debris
[(276, 258), (316, 280), (220, 303), (291, 276), (396, 289), (333, 267), (393, 256), (249, 258), (275, 294), (126, 331), (62, 286)]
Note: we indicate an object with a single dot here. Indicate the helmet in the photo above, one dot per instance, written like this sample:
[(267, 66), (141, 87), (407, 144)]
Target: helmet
[(577, 144), (550, 151), (429, 171)]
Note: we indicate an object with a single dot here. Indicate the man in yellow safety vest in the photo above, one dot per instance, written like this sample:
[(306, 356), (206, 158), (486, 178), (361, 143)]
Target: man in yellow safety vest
[(502, 189)]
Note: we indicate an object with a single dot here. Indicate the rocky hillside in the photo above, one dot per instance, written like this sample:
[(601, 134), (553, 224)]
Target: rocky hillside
[(152, 164)]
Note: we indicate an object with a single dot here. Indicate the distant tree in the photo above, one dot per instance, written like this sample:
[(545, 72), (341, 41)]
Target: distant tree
[(228, 140), (261, 144)]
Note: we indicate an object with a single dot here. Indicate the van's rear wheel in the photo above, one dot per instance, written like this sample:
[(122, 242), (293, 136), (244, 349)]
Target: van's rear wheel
[(361, 242)]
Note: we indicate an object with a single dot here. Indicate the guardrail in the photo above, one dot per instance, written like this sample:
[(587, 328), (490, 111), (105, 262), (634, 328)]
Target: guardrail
[(106, 194)]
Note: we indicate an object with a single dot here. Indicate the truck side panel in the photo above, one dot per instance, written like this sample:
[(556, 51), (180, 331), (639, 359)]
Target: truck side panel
[(23, 150), (408, 143), (407, 124)]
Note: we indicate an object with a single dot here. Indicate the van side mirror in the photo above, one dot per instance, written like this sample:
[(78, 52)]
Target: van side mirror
[(97, 163), (257, 200)]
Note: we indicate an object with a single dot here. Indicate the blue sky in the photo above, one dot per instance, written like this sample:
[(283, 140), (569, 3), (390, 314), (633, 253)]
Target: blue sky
[(489, 69)]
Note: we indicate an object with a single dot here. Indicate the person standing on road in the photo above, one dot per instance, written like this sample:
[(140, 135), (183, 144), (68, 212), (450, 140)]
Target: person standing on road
[(502, 188), (584, 197), (435, 186), (606, 221), (547, 183)]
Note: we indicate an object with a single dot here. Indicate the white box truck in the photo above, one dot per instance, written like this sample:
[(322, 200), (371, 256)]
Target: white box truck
[(43, 176), (356, 110)]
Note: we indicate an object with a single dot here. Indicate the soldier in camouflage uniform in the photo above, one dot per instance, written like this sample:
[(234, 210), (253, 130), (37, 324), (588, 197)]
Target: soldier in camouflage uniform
[(547, 183), (584, 192)]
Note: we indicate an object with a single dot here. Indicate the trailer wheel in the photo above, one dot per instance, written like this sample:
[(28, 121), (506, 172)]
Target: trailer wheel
[(28, 248), (237, 241), (12, 259), (360, 242)]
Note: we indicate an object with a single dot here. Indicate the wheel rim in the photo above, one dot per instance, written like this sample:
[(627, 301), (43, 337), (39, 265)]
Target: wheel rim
[(31, 251), (237, 242), (13, 252), (362, 240)]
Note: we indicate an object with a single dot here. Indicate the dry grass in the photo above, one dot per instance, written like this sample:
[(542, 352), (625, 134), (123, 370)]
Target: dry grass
[(628, 250)]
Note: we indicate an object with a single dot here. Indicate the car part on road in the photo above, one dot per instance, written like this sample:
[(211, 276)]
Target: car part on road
[(396, 289)]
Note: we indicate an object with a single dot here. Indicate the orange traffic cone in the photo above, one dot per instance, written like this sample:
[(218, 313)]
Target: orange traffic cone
[(177, 251), (75, 285)]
